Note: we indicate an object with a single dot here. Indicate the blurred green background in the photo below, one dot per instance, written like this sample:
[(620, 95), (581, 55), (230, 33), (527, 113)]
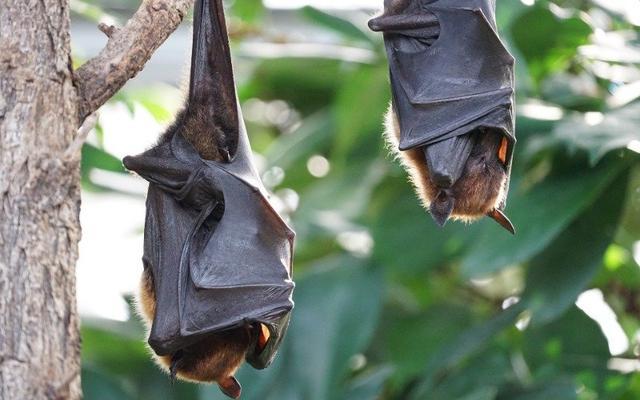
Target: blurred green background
[(388, 306)]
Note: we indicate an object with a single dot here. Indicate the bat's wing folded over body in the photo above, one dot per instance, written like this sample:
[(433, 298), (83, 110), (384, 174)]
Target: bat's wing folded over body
[(453, 85), (217, 285), (219, 253)]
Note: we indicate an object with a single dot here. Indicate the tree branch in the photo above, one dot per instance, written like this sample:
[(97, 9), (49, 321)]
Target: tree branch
[(126, 52)]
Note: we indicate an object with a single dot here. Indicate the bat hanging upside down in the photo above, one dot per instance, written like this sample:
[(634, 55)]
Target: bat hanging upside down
[(216, 288), (451, 119)]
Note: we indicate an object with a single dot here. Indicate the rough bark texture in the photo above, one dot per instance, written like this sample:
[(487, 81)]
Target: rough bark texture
[(127, 51), (41, 105), (39, 203)]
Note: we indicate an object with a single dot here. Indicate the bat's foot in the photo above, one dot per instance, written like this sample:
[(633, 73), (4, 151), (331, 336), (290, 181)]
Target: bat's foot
[(230, 387)]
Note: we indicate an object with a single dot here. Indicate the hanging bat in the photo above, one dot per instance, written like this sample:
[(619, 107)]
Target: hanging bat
[(451, 118), (216, 288)]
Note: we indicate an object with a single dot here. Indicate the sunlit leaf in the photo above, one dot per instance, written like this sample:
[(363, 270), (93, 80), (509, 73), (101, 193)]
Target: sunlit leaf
[(546, 41)]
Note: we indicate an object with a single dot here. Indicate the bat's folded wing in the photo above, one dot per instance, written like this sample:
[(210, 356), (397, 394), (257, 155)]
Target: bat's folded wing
[(219, 253), (463, 81)]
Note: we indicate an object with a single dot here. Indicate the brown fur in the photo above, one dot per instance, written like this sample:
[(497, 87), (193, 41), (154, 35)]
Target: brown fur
[(481, 186), (215, 358)]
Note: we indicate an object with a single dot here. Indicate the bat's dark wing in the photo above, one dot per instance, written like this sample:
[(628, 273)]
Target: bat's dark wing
[(220, 255), (450, 74)]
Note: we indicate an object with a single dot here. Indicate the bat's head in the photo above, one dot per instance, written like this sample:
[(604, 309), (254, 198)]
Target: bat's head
[(468, 174), (461, 178)]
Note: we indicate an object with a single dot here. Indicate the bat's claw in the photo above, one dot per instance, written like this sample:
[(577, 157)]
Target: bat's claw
[(230, 387), (503, 220)]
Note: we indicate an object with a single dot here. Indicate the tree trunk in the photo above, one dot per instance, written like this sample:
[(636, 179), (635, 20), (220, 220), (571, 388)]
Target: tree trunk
[(39, 203)]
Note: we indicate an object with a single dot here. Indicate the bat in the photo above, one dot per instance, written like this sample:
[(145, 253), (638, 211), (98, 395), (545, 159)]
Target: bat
[(216, 288), (451, 117)]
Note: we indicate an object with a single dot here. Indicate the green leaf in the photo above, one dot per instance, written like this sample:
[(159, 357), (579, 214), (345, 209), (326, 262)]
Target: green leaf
[(610, 131), (100, 385), (547, 42), (337, 308), (559, 390), (248, 10), (416, 336), (93, 157), (312, 136), (562, 271), (339, 25), (359, 128), (571, 343), (457, 350), (539, 214), (368, 386)]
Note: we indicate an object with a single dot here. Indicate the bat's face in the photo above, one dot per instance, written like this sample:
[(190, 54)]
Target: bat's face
[(479, 188), (462, 178)]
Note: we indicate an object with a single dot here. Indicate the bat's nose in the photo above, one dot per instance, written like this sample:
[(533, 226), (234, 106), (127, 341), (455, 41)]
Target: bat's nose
[(446, 159), (442, 179)]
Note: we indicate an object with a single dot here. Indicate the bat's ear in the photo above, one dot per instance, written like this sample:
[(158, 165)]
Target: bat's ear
[(503, 220), (264, 335), (230, 387), (441, 208)]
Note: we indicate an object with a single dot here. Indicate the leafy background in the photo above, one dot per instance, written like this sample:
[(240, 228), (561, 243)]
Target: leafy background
[(387, 305)]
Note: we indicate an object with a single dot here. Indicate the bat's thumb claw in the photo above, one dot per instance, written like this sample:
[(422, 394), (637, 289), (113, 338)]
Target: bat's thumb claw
[(230, 387), (503, 220)]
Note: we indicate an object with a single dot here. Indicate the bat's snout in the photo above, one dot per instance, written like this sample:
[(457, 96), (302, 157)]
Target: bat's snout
[(441, 207)]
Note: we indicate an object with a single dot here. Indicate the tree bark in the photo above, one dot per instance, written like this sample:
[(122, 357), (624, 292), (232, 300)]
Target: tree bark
[(39, 203), (126, 52), (41, 105)]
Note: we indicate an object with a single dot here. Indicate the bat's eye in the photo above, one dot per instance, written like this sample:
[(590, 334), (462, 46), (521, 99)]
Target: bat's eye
[(263, 339), (502, 150)]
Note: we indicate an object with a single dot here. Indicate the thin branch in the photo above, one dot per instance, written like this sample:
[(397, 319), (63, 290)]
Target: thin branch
[(73, 151), (126, 52)]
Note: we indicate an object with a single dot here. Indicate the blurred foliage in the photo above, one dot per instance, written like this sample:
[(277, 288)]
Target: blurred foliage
[(388, 306)]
